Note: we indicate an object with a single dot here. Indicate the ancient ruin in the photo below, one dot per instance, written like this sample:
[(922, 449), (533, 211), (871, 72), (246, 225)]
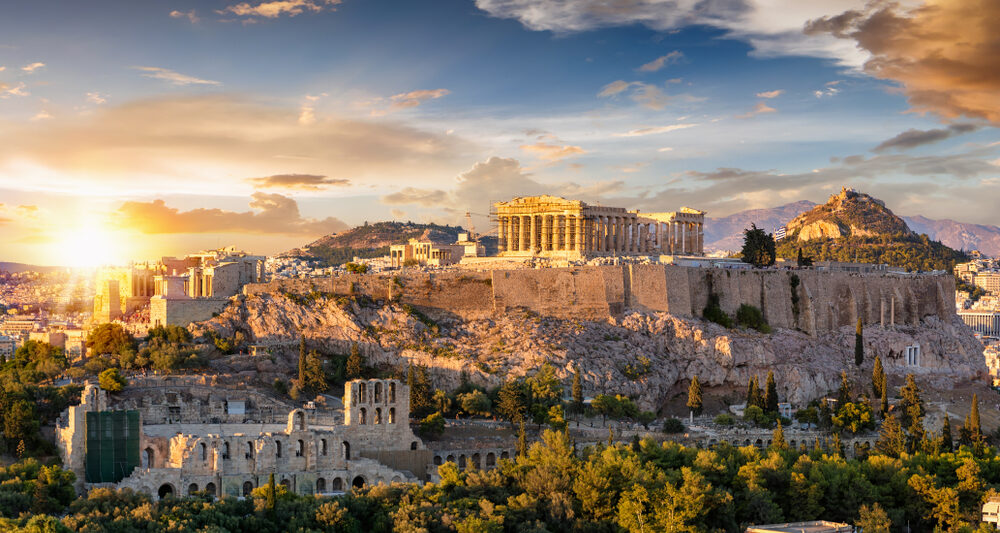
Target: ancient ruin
[(552, 226)]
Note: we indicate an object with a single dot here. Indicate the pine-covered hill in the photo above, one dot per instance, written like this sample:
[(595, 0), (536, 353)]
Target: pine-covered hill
[(855, 227), (373, 240)]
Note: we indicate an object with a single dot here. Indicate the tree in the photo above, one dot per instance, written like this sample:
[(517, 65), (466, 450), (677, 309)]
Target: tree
[(577, 390), (522, 440), (912, 411), (758, 247), (892, 440), (859, 346), (475, 403), (853, 416), (110, 339), (771, 395), (441, 401), (873, 519), (694, 396), (302, 359), (754, 396), (673, 425), (844, 393), (111, 380), (270, 492), (354, 368), (432, 426), (972, 431), (878, 378), (947, 443), (312, 375), (778, 438), (512, 403)]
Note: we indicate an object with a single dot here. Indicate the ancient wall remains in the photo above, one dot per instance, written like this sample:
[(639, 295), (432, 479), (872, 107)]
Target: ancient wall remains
[(809, 300)]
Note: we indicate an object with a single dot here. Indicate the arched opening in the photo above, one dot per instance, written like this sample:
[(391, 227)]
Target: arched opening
[(337, 484), (392, 393), (287, 483), (210, 489), (396, 479), (147, 458), (192, 488), (378, 392), (249, 450), (362, 392), (247, 489), (362, 416), (437, 460), (347, 450), (320, 485), (166, 491), (300, 421), (204, 451), (378, 415), (491, 460), (322, 446), (504, 455), (225, 450), (759, 443), (413, 445), (277, 448), (461, 462), (300, 449), (451, 459), (475, 461), (746, 442), (358, 482), (392, 415)]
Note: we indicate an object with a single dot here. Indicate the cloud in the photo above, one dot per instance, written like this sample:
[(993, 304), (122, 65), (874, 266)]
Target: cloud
[(411, 195), (212, 143), (759, 109), (278, 8), (192, 16), (829, 89), (646, 95), (771, 94), (6, 91), (943, 53), (397, 213), (97, 98), (270, 214), (654, 130), (912, 138), (2, 68), (670, 59), (399, 102), (42, 115), (31, 68), (305, 182), (772, 28), (552, 152), (173, 77)]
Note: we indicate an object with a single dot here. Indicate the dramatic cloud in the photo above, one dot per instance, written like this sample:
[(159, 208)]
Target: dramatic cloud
[(670, 59), (653, 130), (552, 152), (759, 109), (770, 94), (212, 143), (270, 214), (30, 69), (192, 16), (771, 27), (175, 78), (943, 53), (278, 8), (305, 182), (913, 138)]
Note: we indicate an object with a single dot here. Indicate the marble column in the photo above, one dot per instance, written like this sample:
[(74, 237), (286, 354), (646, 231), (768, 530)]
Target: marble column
[(578, 245), (684, 238), (629, 236), (568, 240), (532, 233)]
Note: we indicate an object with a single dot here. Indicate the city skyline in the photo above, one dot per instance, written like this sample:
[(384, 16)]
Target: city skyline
[(139, 130)]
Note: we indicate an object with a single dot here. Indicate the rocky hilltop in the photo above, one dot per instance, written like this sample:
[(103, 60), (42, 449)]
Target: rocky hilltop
[(651, 355), (849, 213)]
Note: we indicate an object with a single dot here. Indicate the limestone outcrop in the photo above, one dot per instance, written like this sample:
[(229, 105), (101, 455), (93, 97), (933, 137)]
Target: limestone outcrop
[(649, 354)]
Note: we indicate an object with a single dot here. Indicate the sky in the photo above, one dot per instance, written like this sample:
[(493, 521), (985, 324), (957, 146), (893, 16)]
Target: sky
[(135, 129)]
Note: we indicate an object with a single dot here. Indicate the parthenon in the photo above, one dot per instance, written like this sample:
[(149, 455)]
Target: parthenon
[(557, 227)]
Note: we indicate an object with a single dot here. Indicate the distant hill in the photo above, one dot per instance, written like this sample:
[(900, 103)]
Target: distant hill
[(854, 226), (22, 267), (373, 240), (726, 233), (959, 235)]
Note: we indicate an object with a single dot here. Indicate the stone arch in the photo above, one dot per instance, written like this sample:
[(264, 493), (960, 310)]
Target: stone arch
[(362, 392), (225, 450), (322, 446), (759, 443), (166, 490), (300, 448), (247, 489), (462, 462), (320, 485), (337, 484), (392, 392), (437, 460), (451, 459), (296, 421), (359, 481), (414, 445), (347, 451), (192, 488), (287, 483), (476, 461), (746, 442), (504, 455), (491, 460), (711, 442), (249, 454), (204, 451), (378, 415), (210, 489), (148, 457), (378, 392), (277, 448), (791, 443), (392, 415), (363, 416), (396, 479)]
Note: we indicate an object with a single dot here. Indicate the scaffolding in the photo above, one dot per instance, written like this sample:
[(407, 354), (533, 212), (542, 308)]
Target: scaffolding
[(112, 445)]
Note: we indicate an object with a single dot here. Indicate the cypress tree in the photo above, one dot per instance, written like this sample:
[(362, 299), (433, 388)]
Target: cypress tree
[(884, 404), (356, 363), (522, 441), (947, 443), (771, 395), (778, 438), (859, 346), (270, 493), (891, 441), (878, 378), (511, 402), (973, 427), (754, 396), (577, 390), (799, 260), (694, 396), (302, 360), (844, 393)]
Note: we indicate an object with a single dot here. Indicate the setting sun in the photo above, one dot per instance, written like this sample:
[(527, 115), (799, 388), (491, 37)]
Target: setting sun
[(87, 246)]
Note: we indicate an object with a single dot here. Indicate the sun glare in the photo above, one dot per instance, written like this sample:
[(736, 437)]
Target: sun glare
[(87, 246)]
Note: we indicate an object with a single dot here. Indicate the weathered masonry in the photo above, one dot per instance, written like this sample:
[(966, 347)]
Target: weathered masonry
[(553, 226), (109, 446)]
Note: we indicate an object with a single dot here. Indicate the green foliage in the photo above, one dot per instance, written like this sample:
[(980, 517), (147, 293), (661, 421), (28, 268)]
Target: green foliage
[(170, 333), (35, 361), (475, 403), (615, 407), (758, 247), (577, 390), (714, 313), (356, 364), (756, 415), (751, 317), (724, 419), (859, 345), (639, 369), (694, 401), (432, 426), (165, 356), (909, 251), (110, 339), (313, 377), (419, 383), (975, 291), (673, 425), (771, 395), (512, 401), (357, 268), (112, 380), (854, 417)]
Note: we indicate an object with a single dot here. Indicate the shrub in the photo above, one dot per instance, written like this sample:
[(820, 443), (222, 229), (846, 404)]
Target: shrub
[(674, 425), (751, 317), (357, 268), (111, 380), (433, 426), (713, 312), (725, 419)]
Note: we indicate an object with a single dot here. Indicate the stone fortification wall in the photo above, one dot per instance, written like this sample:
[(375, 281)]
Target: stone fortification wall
[(808, 300), (184, 311)]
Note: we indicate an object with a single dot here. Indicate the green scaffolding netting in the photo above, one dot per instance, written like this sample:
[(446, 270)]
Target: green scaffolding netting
[(112, 445)]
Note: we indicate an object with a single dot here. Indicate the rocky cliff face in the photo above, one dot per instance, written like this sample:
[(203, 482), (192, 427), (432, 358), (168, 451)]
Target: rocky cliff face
[(849, 213), (649, 355)]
